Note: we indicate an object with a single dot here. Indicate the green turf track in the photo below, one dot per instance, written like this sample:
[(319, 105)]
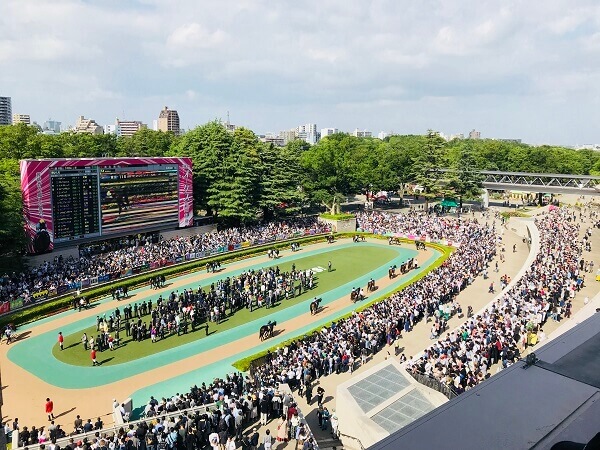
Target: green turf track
[(346, 268)]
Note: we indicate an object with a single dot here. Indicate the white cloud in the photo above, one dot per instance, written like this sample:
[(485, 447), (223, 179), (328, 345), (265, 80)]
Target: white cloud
[(308, 60), (193, 35)]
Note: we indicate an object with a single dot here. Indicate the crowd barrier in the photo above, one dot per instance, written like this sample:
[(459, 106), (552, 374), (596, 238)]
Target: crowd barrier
[(90, 282), (434, 384)]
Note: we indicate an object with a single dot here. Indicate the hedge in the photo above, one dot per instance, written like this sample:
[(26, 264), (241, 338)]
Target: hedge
[(64, 302), (244, 364), (337, 216)]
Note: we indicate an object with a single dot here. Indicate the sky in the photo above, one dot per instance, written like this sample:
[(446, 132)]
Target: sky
[(510, 69)]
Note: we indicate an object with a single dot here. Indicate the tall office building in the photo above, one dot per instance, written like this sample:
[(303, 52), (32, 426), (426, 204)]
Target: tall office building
[(21, 118), (5, 111), (168, 120), (474, 134), (361, 133), (308, 133), (328, 132)]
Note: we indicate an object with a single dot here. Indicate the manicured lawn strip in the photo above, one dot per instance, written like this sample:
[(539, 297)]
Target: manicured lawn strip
[(337, 216), (244, 364), (348, 263)]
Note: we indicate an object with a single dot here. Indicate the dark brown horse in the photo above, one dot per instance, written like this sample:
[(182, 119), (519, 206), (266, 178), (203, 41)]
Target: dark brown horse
[(314, 306)]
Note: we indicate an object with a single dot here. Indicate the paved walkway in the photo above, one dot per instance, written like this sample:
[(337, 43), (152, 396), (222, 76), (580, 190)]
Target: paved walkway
[(475, 295)]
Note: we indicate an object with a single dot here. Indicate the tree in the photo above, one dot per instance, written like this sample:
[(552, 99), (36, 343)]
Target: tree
[(280, 181), (12, 236), (234, 195), (19, 142), (209, 146), (146, 142), (426, 164), (331, 170), (466, 180)]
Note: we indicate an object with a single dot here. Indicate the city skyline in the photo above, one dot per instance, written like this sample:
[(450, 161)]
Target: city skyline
[(512, 70)]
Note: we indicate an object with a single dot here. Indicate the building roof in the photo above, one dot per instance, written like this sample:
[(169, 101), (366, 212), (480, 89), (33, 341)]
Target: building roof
[(522, 407), (382, 400)]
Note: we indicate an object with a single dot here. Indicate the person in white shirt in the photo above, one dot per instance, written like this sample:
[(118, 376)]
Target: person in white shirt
[(541, 335), (230, 445)]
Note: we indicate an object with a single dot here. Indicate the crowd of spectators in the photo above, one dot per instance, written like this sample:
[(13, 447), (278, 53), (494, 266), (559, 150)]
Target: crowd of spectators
[(64, 271), (177, 312), (233, 404), (496, 337), (352, 341), (460, 359)]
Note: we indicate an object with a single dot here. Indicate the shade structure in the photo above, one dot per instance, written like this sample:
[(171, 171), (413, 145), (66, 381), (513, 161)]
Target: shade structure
[(449, 203)]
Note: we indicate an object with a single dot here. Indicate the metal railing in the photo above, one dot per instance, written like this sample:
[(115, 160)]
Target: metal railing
[(113, 429), (362, 447), (434, 384)]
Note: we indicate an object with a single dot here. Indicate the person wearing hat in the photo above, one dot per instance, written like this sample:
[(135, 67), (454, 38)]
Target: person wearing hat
[(50, 406)]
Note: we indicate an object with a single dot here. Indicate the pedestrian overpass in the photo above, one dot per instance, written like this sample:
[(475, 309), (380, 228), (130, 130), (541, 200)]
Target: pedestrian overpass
[(550, 183)]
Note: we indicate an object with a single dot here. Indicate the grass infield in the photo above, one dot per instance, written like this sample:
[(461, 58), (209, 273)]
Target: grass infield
[(348, 263)]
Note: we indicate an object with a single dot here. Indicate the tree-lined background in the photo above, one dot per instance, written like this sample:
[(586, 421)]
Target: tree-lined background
[(240, 180)]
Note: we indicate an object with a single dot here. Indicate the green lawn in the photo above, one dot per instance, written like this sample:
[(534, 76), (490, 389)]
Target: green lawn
[(348, 264)]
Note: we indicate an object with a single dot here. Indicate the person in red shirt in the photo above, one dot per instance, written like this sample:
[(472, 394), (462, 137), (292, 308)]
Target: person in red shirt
[(49, 409), (61, 339), (93, 355)]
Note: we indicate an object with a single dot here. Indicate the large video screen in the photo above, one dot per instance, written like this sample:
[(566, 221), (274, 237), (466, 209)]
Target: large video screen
[(136, 197), (73, 199), (75, 207)]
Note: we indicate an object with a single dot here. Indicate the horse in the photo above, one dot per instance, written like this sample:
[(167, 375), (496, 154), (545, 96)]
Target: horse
[(314, 306), (371, 285), (266, 331), (355, 295), (393, 241)]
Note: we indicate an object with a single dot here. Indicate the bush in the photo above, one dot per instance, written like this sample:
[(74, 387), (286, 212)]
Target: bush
[(509, 214), (337, 216)]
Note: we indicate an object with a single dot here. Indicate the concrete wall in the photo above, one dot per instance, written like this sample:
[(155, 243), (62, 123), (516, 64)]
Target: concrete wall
[(341, 226)]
